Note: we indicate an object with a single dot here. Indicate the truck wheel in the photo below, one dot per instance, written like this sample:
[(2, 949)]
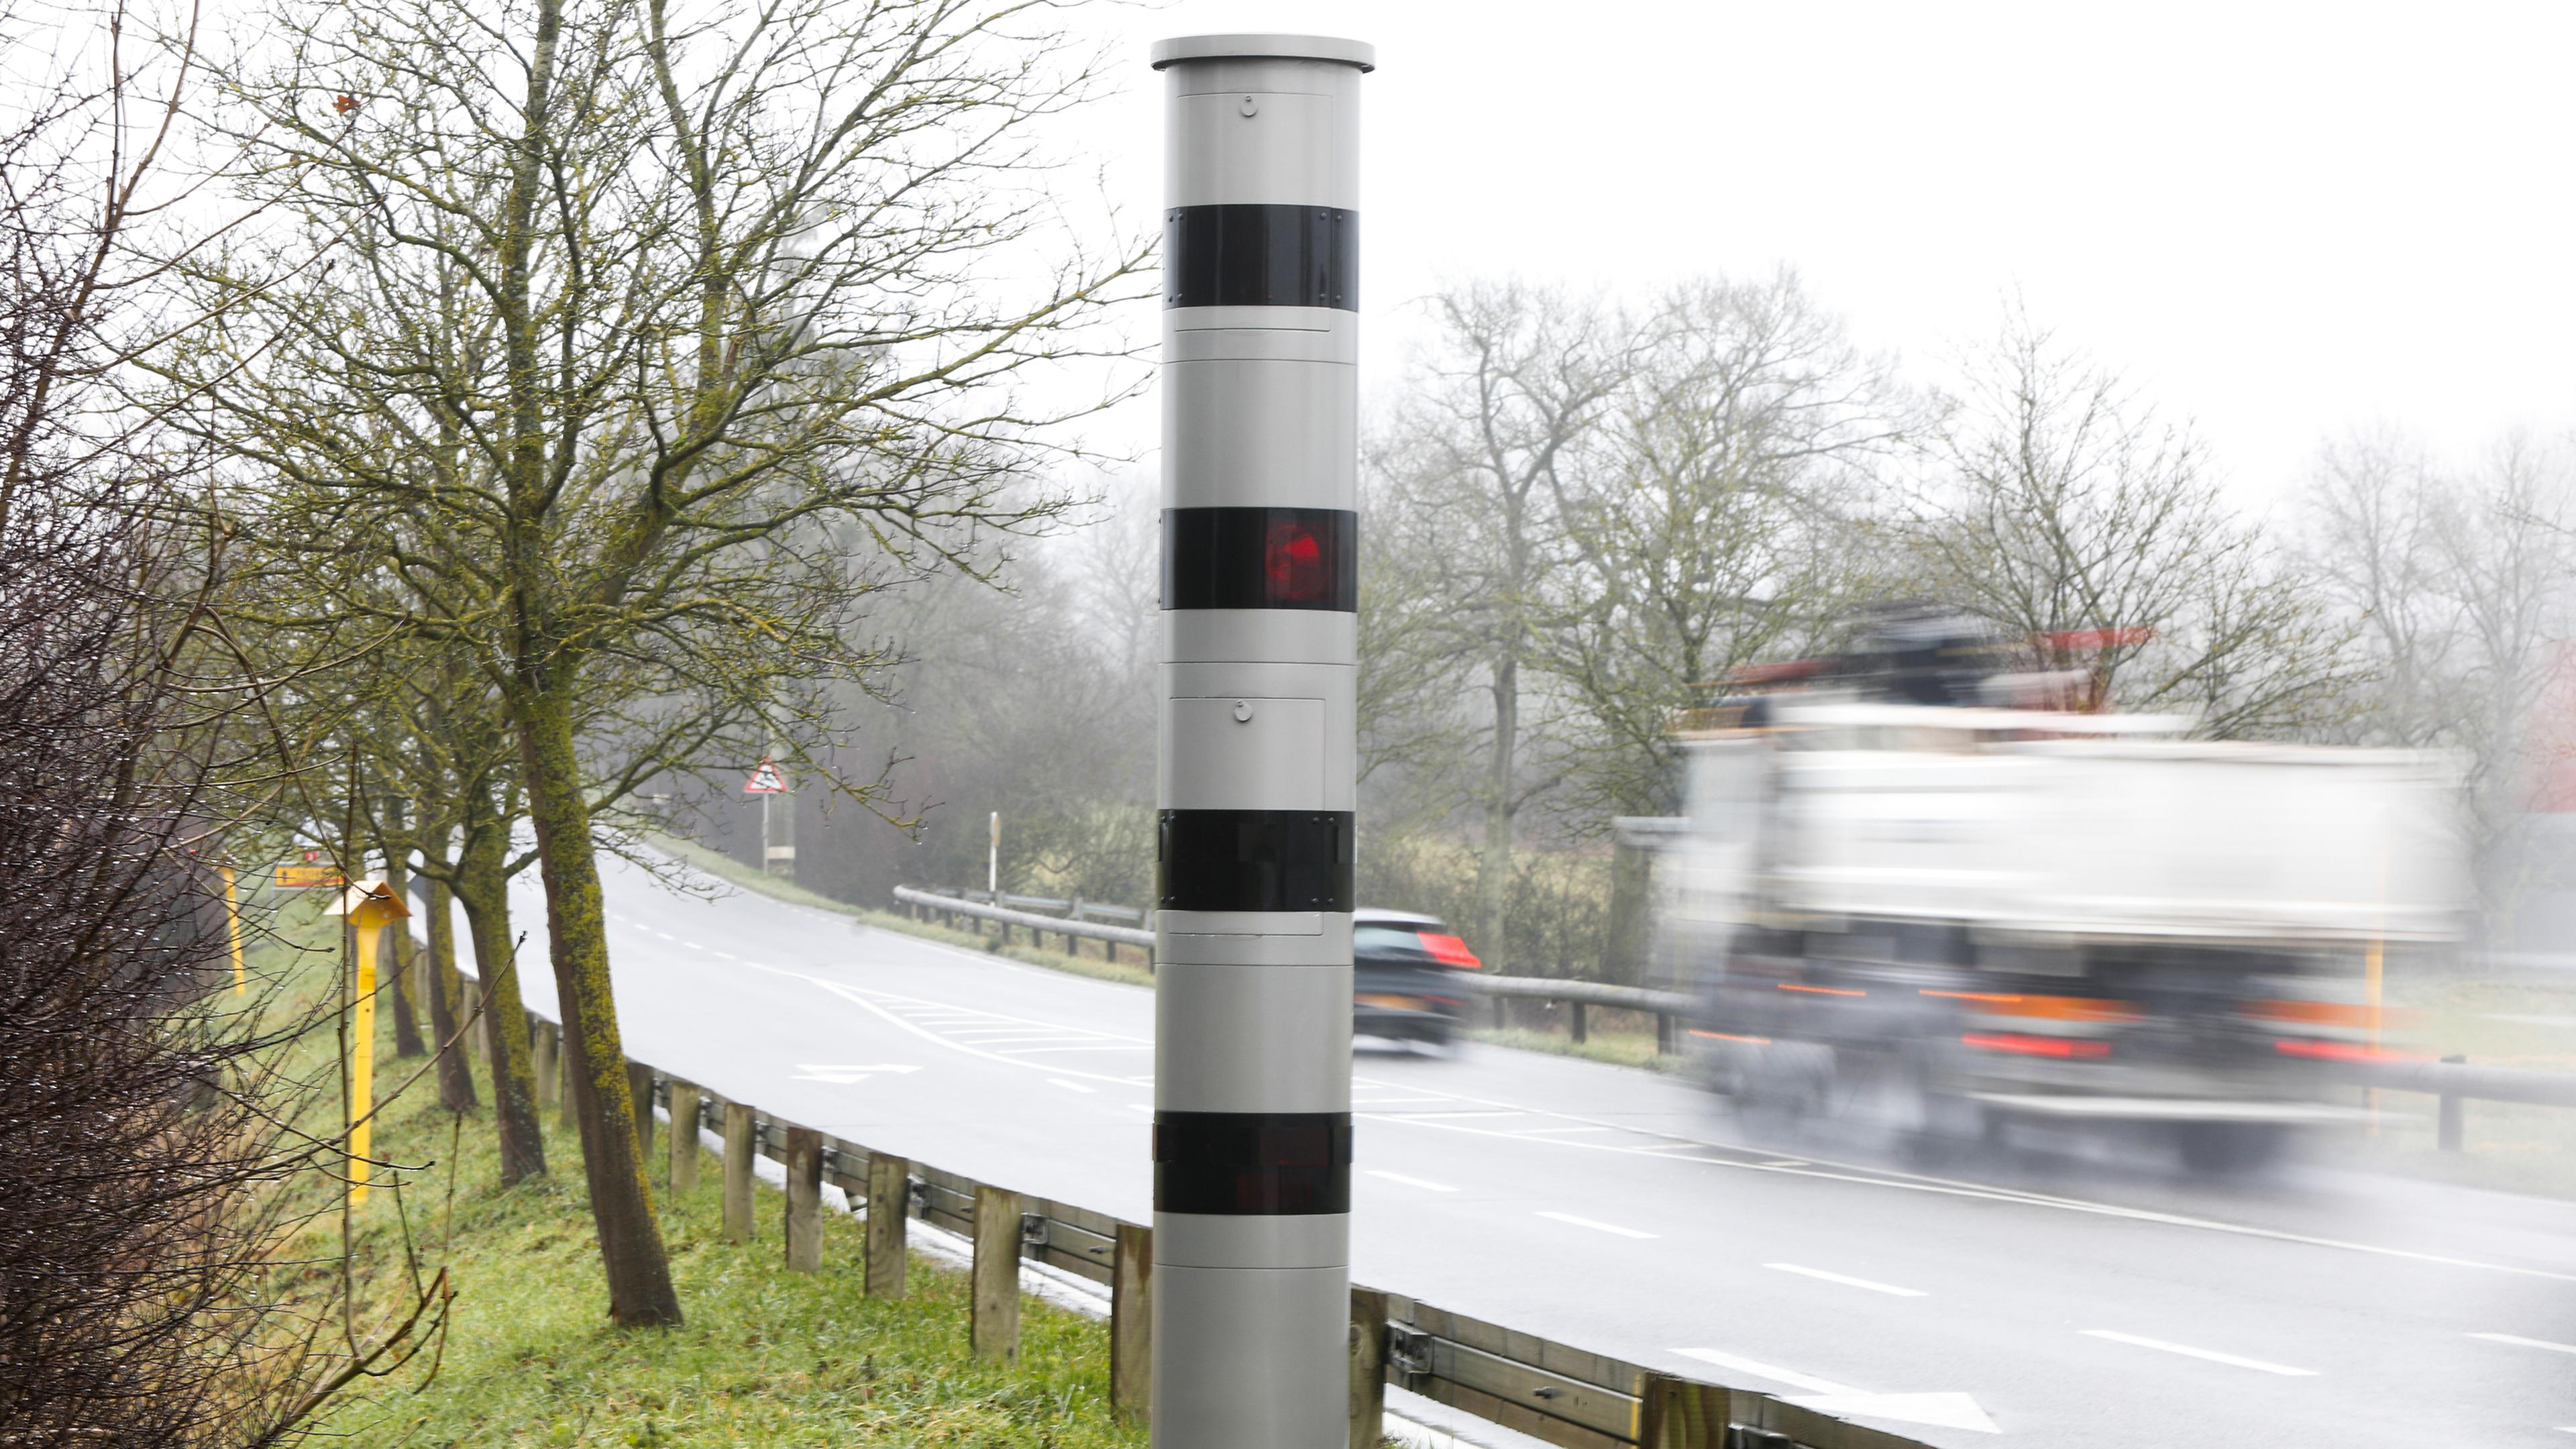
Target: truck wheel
[(2228, 1149), (1937, 1126)]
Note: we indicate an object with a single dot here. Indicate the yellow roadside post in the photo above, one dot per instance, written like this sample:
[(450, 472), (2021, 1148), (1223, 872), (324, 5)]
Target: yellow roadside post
[(370, 906), (232, 920)]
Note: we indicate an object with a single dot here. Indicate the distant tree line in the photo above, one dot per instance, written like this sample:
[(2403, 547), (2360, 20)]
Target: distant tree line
[(1581, 512)]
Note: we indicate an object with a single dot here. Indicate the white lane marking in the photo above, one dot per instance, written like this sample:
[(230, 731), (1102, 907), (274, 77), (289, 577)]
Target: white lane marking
[(1759, 1369), (2187, 1351), (2521, 1342), (884, 1005), (1115, 1046), (1070, 1086), (692, 945), (1428, 1116), (724, 955), (1565, 1131), (1786, 1162), (1409, 1181), (1848, 1281), (1945, 1187), (1598, 1227), (844, 1076)]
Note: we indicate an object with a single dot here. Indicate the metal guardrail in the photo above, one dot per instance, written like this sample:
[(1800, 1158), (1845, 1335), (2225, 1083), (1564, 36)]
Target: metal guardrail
[(1076, 907), (1065, 926), (2452, 1080)]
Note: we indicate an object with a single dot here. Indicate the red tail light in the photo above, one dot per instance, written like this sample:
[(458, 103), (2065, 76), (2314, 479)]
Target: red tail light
[(2070, 1048), (1448, 950), (2337, 1051)]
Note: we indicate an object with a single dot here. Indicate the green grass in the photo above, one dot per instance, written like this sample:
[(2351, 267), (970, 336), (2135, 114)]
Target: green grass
[(734, 872), (1618, 1048), (527, 1355)]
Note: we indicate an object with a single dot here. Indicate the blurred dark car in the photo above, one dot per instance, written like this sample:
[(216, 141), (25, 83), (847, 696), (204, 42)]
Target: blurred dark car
[(1410, 979)]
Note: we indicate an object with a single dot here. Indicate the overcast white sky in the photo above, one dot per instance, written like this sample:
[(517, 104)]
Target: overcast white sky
[(2280, 220)]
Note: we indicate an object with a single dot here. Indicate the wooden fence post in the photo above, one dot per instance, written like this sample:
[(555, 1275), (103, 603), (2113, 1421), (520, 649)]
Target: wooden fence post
[(639, 1085), (738, 1154), (994, 1329), (1131, 1322), (2448, 1119), (804, 1200), (1576, 1018), (1678, 1413), (684, 1137), (564, 1069), (1368, 1368), (889, 1199), (548, 1044)]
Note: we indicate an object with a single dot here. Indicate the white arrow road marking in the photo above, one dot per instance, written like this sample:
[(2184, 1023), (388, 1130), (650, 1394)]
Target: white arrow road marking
[(2521, 1342), (1409, 1181), (1597, 1227), (1849, 1282), (1759, 1369), (1948, 1411), (2211, 1354)]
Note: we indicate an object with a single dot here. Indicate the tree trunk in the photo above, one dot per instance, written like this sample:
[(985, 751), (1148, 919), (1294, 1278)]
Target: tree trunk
[(1494, 863), (621, 1202), (447, 993), (485, 890), (407, 1042)]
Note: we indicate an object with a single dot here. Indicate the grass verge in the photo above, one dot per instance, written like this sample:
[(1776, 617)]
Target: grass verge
[(766, 1357)]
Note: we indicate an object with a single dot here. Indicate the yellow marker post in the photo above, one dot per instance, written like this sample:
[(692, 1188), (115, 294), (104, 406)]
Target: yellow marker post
[(232, 919), (370, 906)]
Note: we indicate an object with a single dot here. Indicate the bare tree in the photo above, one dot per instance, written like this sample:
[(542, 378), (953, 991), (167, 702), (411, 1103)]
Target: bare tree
[(2058, 505), (629, 307), (1508, 388), (2460, 583), (1707, 514)]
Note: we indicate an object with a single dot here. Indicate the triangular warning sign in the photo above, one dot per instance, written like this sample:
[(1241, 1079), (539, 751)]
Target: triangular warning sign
[(765, 781)]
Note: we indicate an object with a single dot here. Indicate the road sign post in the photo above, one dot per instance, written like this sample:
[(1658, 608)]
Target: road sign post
[(777, 827), (1252, 1086), (370, 906)]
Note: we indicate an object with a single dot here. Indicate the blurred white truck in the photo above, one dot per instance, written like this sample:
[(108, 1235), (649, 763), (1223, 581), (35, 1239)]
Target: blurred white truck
[(1962, 915)]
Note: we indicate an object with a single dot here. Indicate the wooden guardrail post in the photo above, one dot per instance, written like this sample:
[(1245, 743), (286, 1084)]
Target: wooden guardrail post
[(469, 994), (639, 1085), (804, 1200), (1131, 1323), (738, 1154), (1575, 1016), (1679, 1413), (994, 1329), (1368, 1368), (547, 1045), (684, 1137), (889, 1199), (2450, 1121)]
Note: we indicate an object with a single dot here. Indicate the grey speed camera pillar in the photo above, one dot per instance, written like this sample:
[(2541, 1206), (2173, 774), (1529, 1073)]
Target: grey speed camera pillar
[(1252, 1034)]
